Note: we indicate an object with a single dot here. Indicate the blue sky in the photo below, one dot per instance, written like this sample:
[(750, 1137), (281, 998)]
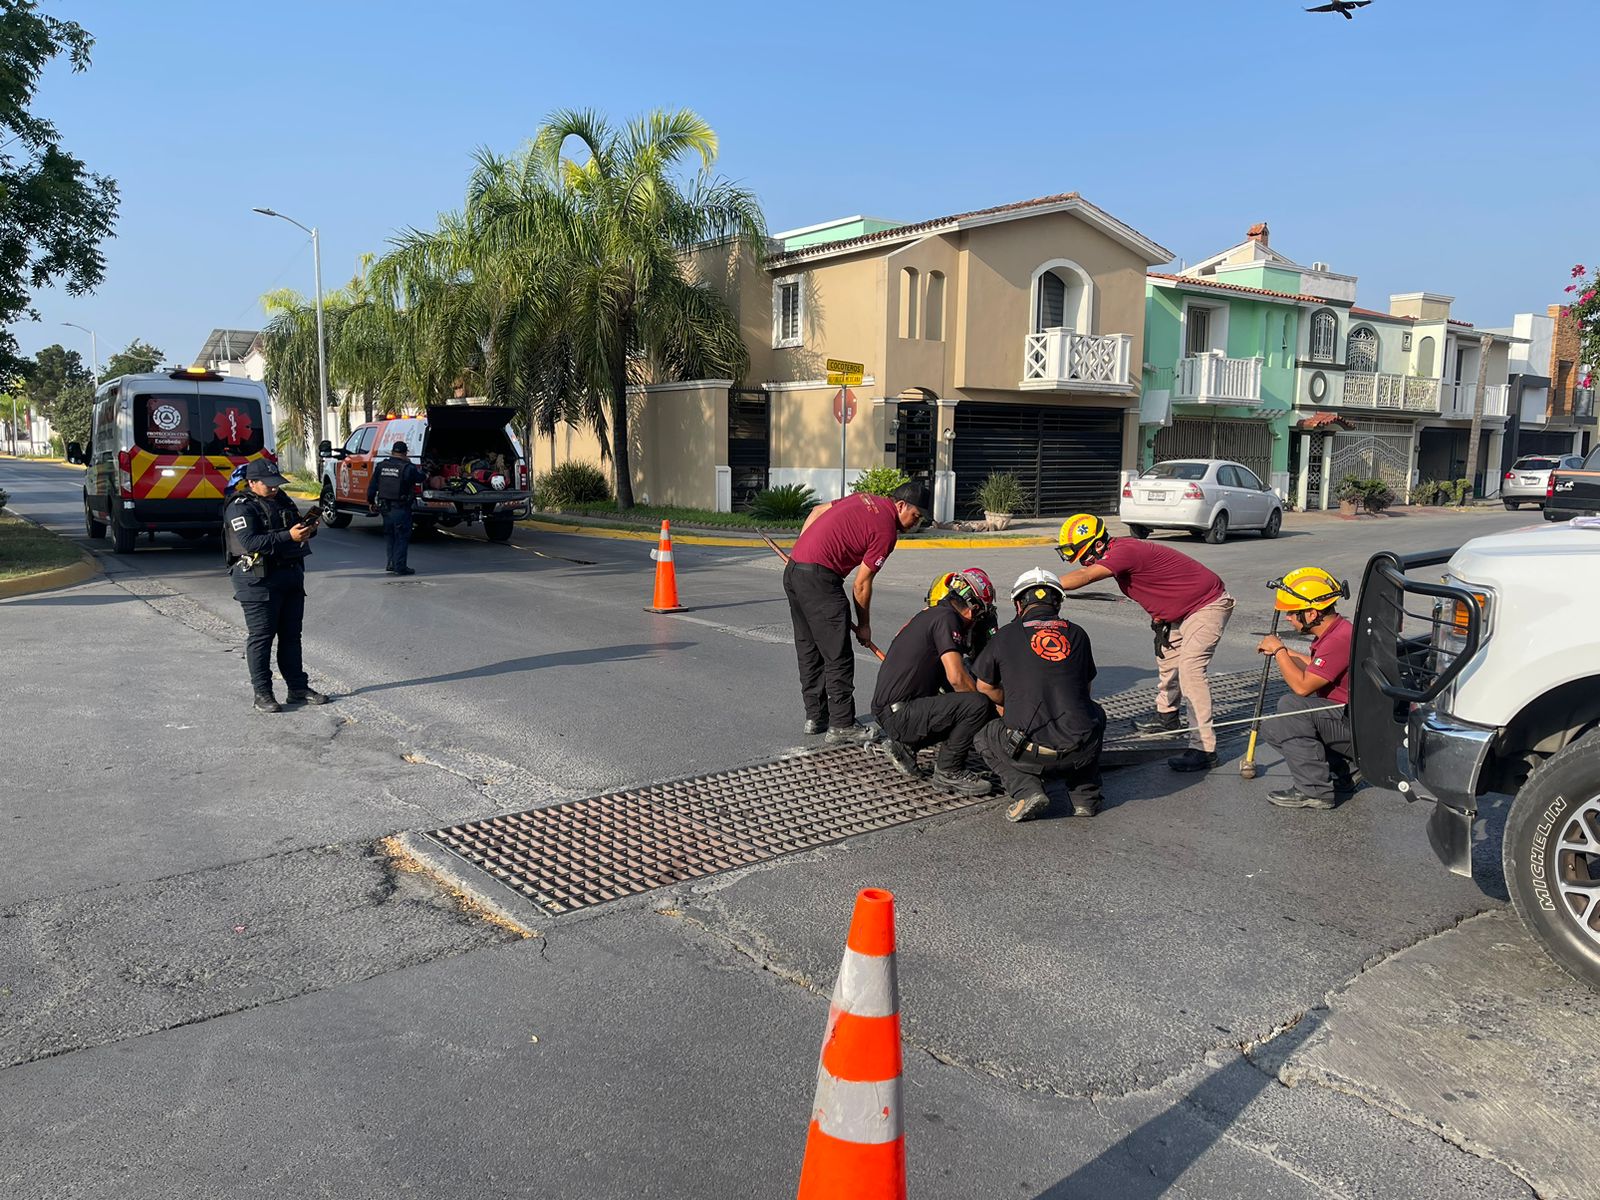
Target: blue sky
[(1426, 145)]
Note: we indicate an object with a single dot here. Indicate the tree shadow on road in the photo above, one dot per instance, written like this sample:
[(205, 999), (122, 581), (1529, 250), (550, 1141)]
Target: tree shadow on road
[(536, 662), (1148, 1161), (76, 600)]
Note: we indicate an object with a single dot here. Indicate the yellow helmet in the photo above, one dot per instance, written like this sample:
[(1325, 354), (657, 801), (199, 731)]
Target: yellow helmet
[(938, 589), (954, 581), (1083, 538), (1308, 587)]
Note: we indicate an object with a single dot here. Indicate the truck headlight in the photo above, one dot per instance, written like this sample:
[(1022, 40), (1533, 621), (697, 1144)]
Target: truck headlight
[(1451, 619)]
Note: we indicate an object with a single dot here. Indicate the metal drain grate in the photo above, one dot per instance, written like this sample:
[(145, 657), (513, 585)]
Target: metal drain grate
[(589, 852), (607, 847)]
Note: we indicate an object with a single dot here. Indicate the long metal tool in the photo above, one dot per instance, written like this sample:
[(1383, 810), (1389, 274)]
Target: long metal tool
[(1247, 768), (779, 551)]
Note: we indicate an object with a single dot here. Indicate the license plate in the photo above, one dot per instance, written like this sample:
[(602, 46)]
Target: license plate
[(1157, 496), (1531, 479)]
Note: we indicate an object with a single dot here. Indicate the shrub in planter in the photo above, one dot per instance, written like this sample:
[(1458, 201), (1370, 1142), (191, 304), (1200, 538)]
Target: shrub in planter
[(1425, 492), (572, 483), (1001, 495), (1352, 489), (1460, 491), (880, 481), (791, 502), (1378, 496)]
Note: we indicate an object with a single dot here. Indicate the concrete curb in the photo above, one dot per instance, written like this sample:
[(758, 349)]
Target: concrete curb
[(49, 581), (45, 462), (753, 543)]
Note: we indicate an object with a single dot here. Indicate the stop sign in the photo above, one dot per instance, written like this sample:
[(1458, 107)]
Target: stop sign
[(844, 406)]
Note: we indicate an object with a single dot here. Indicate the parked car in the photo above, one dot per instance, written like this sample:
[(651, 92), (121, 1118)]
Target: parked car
[(476, 469), (1529, 477), (1475, 677), (1206, 496), (1574, 491)]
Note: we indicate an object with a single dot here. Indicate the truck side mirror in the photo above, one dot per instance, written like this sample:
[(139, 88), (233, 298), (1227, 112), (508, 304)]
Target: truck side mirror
[(325, 448), (74, 453)]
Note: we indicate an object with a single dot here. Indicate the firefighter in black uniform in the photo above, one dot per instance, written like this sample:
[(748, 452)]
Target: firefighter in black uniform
[(1038, 669), (267, 547), (391, 489), (911, 702)]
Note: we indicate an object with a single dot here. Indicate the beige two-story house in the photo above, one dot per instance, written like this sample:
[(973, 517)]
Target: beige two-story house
[(1003, 339)]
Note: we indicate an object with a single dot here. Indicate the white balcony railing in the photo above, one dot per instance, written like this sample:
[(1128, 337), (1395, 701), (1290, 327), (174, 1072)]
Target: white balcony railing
[(1059, 360), (1214, 379), (1393, 393), (1457, 399)]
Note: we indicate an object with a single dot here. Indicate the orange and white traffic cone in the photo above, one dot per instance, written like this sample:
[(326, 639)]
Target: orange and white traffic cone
[(666, 576), (856, 1145)]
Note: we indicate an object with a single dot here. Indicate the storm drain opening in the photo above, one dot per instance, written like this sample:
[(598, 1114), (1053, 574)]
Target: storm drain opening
[(604, 848)]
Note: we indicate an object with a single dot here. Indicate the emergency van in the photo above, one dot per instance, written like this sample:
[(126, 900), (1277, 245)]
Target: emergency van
[(161, 448), (471, 456)]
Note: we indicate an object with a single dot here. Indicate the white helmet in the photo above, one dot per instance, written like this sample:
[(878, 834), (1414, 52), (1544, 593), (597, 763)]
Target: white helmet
[(1039, 580)]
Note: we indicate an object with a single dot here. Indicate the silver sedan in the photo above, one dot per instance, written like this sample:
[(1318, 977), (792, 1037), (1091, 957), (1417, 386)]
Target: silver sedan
[(1206, 496), (1529, 477)]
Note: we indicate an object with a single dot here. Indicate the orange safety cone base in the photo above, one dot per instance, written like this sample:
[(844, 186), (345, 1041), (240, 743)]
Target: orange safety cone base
[(675, 608), (840, 1170)]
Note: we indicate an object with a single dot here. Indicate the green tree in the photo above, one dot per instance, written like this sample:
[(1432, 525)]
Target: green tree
[(54, 213), (290, 344), (138, 357), (49, 373), (70, 414)]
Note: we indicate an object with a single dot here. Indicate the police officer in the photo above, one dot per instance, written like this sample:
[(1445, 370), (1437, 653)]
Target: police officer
[(857, 533), (267, 547), (391, 489), (1038, 669), (925, 694)]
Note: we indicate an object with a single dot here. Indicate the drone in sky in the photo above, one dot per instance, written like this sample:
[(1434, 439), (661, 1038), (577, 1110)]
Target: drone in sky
[(1342, 7)]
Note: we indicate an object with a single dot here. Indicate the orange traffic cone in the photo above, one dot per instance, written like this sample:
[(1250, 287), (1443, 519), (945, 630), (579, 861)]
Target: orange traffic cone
[(856, 1145), (666, 576)]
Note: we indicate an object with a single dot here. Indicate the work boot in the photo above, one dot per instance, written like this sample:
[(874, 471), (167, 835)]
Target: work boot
[(1028, 805), (306, 695), (815, 725), (1161, 722), (903, 757), (267, 702), (405, 571), (1293, 797), (1193, 760), (1085, 808), (849, 735), (963, 783)]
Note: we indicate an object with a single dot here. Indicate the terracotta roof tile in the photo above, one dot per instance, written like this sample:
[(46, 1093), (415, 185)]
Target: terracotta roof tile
[(1319, 420), (1373, 312), (917, 227), (1199, 281)]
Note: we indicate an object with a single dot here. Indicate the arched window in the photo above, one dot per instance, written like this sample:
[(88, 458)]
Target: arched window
[(1361, 351), (1063, 298), (933, 308), (1324, 335), (910, 282), (1425, 366)]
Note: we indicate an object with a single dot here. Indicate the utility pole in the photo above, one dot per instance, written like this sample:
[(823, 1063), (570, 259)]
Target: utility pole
[(1485, 341)]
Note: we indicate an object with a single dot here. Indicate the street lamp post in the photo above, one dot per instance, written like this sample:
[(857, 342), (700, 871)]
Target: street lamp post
[(94, 351), (322, 342)]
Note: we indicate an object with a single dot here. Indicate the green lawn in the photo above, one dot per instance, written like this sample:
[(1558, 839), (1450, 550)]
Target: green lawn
[(654, 514), (26, 549)]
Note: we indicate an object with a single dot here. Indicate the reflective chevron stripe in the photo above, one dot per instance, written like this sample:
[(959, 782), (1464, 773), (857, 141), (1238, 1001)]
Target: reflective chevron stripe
[(868, 1113), (866, 985)]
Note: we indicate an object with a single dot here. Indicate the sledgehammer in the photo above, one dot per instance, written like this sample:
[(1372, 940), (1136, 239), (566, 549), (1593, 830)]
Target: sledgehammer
[(778, 550), (1247, 768)]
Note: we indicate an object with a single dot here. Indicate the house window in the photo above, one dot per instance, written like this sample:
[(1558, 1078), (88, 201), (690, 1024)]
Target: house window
[(1425, 358), (1324, 335), (909, 286), (1197, 336), (1362, 351), (933, 308), (1063, 297), (1405, 340), (786, 313)]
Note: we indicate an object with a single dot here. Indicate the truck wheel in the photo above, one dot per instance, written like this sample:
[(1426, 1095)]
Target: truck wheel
[(94, 528), (331, 516), (122, 538), (498, 529), (1139, 531), (1552, 858)]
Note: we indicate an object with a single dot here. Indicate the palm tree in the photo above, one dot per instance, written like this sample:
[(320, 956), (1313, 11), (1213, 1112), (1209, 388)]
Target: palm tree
[(608, 238), (290, 344)]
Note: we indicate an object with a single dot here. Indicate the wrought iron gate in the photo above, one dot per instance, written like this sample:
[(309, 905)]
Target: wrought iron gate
[(1375, 450), (749, 444), (1067, 459), (1247, 442)]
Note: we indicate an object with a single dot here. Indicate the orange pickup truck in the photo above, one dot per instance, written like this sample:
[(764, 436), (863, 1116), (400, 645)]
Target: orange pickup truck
[(475, 465)]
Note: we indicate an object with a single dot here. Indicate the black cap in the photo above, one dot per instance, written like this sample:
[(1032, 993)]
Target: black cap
[(914, 494), (399, 448), (264, 470)]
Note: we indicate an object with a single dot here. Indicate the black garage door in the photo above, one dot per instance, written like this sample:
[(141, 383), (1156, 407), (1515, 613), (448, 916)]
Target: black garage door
[(1068, 459)]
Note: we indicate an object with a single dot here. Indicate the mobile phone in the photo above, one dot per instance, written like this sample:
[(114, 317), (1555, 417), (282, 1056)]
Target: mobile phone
[(312, 516)]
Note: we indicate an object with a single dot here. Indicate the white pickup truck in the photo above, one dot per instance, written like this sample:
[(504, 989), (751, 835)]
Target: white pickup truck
[(1479, 671)]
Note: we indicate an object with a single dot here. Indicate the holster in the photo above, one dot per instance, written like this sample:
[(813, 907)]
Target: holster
[(1163, 631)]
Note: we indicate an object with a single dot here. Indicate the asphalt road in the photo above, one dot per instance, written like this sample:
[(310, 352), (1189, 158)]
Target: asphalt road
[(214, 982)]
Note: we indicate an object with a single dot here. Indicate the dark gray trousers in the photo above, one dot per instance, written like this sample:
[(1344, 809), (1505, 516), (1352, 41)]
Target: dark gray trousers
[(821, 616), (1316, 746), (1078, 768)]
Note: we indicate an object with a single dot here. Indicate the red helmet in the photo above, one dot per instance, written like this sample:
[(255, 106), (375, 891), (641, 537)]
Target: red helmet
[(979, 578)]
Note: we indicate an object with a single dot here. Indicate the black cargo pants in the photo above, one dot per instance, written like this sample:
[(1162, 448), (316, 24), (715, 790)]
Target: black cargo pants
[(1316, 746), (953, 719), (276, 616), (1077, 766), (821, 616)]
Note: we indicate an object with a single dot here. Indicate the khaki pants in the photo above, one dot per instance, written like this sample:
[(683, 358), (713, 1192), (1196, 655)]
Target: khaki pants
[(1181, 670)]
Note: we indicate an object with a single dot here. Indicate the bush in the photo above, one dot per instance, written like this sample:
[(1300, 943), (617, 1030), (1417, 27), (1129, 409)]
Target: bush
[(572, 483), (791, 502), (4, 496), (1426, 492), (1459, 492), (1372, 494), (1379, 496), (1002, 492), (880, 481)]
